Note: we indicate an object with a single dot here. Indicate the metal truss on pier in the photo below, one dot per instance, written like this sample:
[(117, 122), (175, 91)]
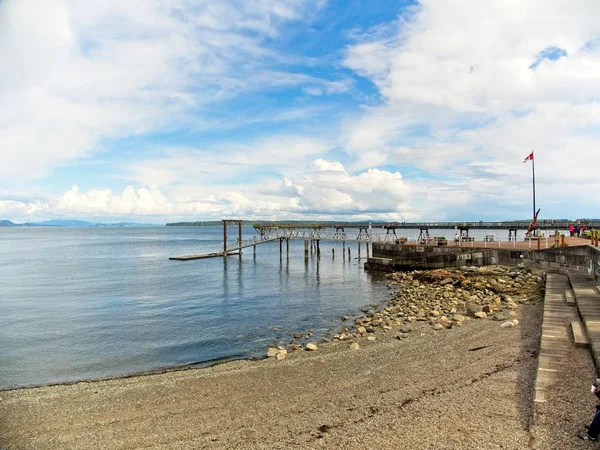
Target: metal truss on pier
[(310, 234)]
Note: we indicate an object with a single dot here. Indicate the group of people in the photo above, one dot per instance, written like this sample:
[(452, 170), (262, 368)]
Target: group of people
[(576, 229)]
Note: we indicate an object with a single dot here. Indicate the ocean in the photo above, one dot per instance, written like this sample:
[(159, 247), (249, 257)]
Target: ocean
[(92, 303)]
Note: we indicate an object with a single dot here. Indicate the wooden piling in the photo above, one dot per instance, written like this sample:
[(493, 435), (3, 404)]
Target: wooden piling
[(224, 238), (318, 248)]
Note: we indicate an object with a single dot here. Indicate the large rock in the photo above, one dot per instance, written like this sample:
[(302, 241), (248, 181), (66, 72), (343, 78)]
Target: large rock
[(311, 346), (272, 351), (473, 308)]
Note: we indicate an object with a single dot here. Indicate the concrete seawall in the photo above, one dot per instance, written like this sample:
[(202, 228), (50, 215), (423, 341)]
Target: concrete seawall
[(394, 257)]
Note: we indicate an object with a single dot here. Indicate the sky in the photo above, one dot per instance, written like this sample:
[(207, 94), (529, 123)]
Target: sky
[(179, 110)]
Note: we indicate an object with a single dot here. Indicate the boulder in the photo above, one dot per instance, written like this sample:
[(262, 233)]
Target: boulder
[(473, 308), (272, 351)]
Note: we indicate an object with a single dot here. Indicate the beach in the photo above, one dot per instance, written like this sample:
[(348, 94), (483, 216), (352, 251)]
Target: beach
[(469, 387), (412, 373)]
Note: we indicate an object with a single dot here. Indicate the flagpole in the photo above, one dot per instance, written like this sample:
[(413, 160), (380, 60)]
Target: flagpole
[(533, 172)]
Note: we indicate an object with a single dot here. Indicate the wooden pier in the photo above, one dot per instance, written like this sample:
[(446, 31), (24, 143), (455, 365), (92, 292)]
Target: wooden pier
[(313, 235)]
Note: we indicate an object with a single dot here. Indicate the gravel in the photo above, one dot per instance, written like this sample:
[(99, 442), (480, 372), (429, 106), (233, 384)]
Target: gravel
[(468, 387)]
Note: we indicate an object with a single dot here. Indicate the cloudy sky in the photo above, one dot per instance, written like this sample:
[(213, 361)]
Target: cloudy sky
[(206, 109)]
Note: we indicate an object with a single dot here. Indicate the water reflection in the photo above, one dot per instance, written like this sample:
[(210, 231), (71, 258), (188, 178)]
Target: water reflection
[(123, 307)]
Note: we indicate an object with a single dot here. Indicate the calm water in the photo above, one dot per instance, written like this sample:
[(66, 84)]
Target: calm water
[(87, 303)]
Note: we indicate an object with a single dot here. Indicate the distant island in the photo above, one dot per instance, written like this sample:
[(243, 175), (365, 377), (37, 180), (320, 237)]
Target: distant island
[(72, 223)]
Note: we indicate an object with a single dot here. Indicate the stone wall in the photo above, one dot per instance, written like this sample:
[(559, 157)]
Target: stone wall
[(393, 257)]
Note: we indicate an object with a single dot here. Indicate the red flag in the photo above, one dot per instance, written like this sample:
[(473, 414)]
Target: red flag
[(529, 158)]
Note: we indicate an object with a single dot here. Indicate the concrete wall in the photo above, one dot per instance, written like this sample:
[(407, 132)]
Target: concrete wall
[(390, 257)]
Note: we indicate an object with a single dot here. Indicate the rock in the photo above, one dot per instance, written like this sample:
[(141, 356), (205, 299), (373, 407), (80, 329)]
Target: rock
[(480, 314), (311, 346), (508, 324), (446, 281), (402, 336), (297, 335), (473, 308), (361, 330), (344, 318), (354, 346), (374, 305), (275, 329), (515, 321), (281, 356), (272, 351), (438, 326), (459, 317), (293, 344), (371, 338), (486, 309), (512, 314), (405, 329)]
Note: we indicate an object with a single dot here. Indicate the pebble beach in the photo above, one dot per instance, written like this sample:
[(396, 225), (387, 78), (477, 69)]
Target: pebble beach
[(447, 362)]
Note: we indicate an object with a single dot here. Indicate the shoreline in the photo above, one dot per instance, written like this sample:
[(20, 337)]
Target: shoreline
[(469, 386), (311, 399), (349, 329)]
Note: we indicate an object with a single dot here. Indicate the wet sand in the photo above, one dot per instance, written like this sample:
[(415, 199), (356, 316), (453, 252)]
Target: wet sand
[(464, 388)]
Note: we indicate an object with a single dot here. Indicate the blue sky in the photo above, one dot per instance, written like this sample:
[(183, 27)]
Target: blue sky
[(195, 110)]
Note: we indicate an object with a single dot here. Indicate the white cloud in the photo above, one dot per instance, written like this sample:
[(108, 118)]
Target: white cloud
[(463, 103), (321, 165), (81, 73), (324, 191)]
